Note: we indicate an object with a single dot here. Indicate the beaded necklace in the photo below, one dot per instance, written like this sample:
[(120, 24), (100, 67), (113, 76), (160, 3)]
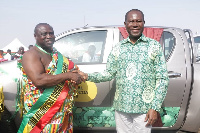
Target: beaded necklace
[(43, 50)]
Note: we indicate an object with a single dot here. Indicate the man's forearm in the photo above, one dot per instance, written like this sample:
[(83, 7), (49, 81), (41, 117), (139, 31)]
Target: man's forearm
[(48, 80)]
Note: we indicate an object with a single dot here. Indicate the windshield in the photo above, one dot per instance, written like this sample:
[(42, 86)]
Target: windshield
[(83, 46)]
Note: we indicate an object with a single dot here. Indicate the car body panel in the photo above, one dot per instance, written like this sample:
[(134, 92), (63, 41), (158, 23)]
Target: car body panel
[(178, 64)]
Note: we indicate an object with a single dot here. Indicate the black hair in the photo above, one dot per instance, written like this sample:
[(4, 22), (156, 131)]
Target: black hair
[(8, 50), (134, 10), (40, 24)]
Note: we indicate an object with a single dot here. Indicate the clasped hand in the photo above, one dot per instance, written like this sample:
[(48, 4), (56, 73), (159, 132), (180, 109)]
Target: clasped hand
[(78, 76)]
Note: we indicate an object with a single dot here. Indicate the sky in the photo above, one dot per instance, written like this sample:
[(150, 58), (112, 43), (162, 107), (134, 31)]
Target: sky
[(18, 18)]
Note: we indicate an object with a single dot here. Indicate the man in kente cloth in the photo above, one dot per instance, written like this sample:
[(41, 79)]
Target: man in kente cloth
[(49, 88)]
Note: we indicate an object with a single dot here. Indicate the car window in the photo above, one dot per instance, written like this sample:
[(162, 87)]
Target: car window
[(168, 42), (197, 47), (83, 47), (197, 39)]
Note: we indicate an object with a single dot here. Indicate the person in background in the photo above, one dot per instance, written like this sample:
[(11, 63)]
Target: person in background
[(139, 66), (49, 88), (8, 56), (18, 56), (19, 53), (30, 46), (89, 56), (1, 54)]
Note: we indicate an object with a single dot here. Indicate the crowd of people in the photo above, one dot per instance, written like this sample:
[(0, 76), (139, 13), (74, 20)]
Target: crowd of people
[(8, 56)]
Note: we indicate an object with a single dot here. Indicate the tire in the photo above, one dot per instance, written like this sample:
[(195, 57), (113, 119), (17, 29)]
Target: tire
[(7, 125)]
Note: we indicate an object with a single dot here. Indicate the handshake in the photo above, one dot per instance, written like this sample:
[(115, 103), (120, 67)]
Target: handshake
[(78, 76)]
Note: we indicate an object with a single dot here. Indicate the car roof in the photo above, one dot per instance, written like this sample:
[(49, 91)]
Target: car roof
[(103, 27)]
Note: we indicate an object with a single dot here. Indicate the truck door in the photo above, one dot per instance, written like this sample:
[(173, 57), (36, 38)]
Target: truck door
[(177, 55), (192, 122)]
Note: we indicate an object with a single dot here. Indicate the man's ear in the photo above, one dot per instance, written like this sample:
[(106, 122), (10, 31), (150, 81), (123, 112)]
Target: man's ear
[(125, 23), (35, 36), (144, 22)]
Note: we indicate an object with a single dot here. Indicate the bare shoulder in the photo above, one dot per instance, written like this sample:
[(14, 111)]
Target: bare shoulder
[(31, 61), (31, 55)]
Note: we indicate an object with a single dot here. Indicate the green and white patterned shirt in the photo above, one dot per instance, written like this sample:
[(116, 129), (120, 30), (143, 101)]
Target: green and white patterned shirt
[(141, 75)]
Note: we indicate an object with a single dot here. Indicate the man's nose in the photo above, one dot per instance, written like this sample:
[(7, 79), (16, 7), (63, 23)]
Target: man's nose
[(135, 24)]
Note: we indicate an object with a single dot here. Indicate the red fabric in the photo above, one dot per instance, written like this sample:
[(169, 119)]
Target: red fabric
[(2, 60), (123, 32), (71, 65), (154, 33)]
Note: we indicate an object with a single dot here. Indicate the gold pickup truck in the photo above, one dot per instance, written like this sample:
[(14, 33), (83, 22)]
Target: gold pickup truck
[(180, 110)]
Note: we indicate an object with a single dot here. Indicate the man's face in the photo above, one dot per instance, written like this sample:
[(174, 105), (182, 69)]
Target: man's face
[(134, 24), (21, 50), (45, 36)]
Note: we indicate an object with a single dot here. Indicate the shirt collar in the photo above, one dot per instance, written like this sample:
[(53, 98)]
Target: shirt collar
[(142, 38)]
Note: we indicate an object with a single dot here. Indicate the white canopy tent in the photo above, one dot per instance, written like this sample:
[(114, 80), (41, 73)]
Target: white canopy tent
[(14, 46)]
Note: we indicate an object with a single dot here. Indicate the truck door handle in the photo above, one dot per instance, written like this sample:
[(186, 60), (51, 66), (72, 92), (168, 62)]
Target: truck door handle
[(172, 74)]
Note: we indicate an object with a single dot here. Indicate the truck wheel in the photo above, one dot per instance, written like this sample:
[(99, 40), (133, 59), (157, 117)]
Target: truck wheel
[(7, 125)]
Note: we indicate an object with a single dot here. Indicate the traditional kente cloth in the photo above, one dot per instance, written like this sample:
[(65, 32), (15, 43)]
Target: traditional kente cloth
[(19, 62), (49, 110)]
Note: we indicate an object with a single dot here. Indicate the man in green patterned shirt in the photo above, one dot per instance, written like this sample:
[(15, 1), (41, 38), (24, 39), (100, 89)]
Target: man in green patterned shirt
[(139, 66)]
